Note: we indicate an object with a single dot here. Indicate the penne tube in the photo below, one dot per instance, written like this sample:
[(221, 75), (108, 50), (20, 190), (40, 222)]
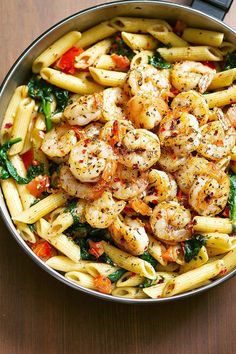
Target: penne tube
[(89, 56), (233, 154), (65, 264), (212, 252), (76, 84), (26, 233), (139, 41), (28, 141), (131, 263), (208, 224), (198, 261), (103, 269), (95, 34), (198, 53), (156, 250), (61, 242), (170, 267), (203, 37), (130, 279), (223, 163), (230, 260), (223, 79), (21, 124), (136, 24), (221, 98), (55, 51), (227, 47), (81, 279), (218, 240), (169, 38), (107, 77), (42, 208), (155, 291), (105, 62), (191, 279), (130, 292), (11, 195), (141, 58), (60, 224), (11, 112)]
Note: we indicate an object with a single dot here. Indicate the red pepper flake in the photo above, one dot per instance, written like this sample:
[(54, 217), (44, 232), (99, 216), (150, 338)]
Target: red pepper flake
[(81, 161), (226, 212), (208, 63), (223, 271), (8, 125)]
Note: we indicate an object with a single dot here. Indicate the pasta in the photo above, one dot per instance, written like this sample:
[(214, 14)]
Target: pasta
[(117, 160)]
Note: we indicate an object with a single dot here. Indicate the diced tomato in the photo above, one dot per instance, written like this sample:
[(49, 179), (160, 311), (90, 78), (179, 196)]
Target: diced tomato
[(27, 158), (219, 143), (226, 212), (96, 248), (66, 62), (121, 61), (168, 255), (38, 185), (43, 250), (103, 284), (79, 132), (174, 91), (210, 64), (179, 27)]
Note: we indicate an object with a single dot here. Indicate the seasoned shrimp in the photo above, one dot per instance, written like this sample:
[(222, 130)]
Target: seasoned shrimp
[(114, 131), (130, 235), (231, 115), (114, 104), (169, 161), (169, 222), (90, 159), (59, 141), (146, 78), (181, 134), (146, 111), (84, 110), (209, 194), (102, 212), (162, 187), (140, 149), (88, 191), (190, 75), (128, 183), (92, 130), (193, 103)]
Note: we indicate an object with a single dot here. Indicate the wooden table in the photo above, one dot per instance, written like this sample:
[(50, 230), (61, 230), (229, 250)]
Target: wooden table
[(39, 315)]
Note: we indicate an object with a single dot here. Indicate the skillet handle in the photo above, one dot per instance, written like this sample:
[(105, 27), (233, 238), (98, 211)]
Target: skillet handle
[(216, 8)]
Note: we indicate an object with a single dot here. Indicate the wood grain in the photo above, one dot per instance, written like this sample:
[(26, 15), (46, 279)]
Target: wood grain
[(41, 315)]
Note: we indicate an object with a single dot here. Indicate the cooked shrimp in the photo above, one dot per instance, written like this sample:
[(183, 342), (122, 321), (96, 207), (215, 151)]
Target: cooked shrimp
[(114, 104), (92, 130), (169, 161), (169, 222), (128, 183), (146, 78), (193, 103), (84, 110), (114, 131), (59, 141), (90, 159), (231, 115), (162, 187), (181, 134), (75, 188), (190, 75), (140, 149), (130, 235), (209, 194), (146, 111), (103, 211)]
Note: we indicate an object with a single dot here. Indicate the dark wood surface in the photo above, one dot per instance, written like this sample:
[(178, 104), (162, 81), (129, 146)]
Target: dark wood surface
[(40, 315)]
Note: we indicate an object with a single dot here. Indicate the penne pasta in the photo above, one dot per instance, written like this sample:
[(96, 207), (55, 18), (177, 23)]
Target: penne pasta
[(212, 224), (55, 51), (167, 37), (89, 56), (63, 221), (105, 62), (26, 233), (141, 58), (218, 240), (81, 279), (136, 24), (129, 279), (221, 98), (198, 53), (96, 269), (139, 41), (65, 264), (11, 196), (196, 262), (203, 37), (107, 77), (223, 79), (129, 292), (156, 250), (227, 47)]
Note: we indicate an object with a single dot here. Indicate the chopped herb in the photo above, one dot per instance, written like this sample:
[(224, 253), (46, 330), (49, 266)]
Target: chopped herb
[(232, 197), (148, 282), (32, 227), (116, 275), (147, 257), (71, 208), (40, 90), (104, 258), (35, 171), (193, 246), (158, 62), (119, 47), (230, 61), (54, 172)]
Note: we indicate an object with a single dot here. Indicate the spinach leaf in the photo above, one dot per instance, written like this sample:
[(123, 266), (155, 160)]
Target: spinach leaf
[(34, 171), (193, 246), (84, 247), (232, 197), (148, 282), (71, 208), (147, 257), (40, 90), (119, 47), (116, 275), (104, 258), (158, 62), (230, 62)]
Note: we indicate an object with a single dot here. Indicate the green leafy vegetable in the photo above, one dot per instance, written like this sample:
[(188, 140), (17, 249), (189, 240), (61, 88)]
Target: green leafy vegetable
[(71, 208), (158, 62), (230, 62), (232, 197), (32, 227), (84, 247), (34, 171), (193, 246), (116, 275), (40, 90), (147, 257), (148, 282), (120, 48)]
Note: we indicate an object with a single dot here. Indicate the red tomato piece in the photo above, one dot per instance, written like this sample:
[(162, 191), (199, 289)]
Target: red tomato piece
[(66, 62), (43, 250), (103, 284), (38, 185), (121, 61), (96, 248), (226, 212), (210, 64), (27, 158)]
